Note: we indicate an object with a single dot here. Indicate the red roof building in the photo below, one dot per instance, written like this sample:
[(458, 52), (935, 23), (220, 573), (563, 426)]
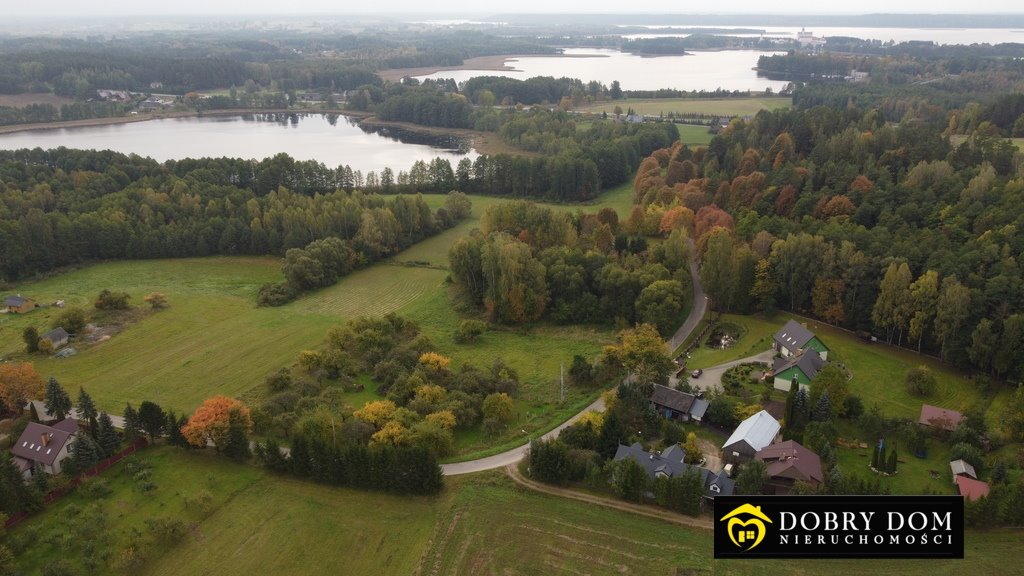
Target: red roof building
[(939, 417), (970, 488), (790, 462)]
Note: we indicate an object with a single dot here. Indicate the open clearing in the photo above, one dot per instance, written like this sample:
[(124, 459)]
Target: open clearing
[(213, 340), (682, 106), (22, 100), (259, 523), (694, 135)]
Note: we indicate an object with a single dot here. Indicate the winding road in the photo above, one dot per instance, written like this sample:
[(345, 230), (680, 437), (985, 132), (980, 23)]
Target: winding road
[(700, 305)]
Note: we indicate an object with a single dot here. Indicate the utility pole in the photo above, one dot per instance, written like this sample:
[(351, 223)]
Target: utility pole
[(561, 386)]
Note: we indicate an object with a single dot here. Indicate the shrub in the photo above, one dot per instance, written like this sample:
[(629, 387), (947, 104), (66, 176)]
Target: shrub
[(970, 454), (469, 330), (108, 300), (854, 407), (279, 380), (920, 381), (275, 295), (72, 319)]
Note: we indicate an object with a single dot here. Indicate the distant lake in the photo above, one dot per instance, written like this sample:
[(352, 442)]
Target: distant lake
[(937, 35), (727, 69), (328, 138)]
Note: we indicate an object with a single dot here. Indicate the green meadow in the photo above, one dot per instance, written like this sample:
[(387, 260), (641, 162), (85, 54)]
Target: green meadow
[(720, 106)]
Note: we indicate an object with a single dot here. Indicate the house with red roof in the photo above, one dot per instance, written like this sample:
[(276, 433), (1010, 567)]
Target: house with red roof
[(789, 462), (970, 488), (939, 418), (46, 446)]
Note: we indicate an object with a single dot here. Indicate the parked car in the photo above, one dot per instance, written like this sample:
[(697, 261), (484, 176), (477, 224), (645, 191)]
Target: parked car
[(696, 373)]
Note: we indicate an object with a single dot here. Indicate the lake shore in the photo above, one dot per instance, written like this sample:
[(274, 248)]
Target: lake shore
[(165, 115), (483, 142), (497, 63)]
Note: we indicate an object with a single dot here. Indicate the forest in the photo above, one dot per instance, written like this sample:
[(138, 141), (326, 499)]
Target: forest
[(63, 207), (888, 229)]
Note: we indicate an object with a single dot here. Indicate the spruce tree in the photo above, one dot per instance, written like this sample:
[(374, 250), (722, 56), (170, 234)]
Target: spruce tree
[(106, 435), (40, 479), (32, 410), (131, 423), (874, 457), (238, 437), (58, 403), (151, 419), (84, 454), (173, 430), (86, 407), (823, 409), (790, 398), (891, 464)]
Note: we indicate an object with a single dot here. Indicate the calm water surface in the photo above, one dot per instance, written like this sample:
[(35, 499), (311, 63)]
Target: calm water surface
[(727, 69), (331, 139), (937, 35)]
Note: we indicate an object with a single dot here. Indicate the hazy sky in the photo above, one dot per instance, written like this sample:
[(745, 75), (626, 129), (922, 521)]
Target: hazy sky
[(58, 8)]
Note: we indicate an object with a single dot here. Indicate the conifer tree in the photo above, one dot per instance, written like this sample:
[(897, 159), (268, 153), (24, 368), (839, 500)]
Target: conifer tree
[(891, 464), (84, 454), (823, 409), (34, 413), (131, 423), (106, 435), (86, 407), (237, 445), (58, 403)]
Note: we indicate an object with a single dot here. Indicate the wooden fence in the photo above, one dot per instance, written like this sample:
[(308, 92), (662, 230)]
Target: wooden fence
[(102, 465)]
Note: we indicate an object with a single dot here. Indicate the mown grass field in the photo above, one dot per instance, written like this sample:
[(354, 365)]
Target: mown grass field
[(259, 523), (694, 135), (878, 370), (213, 340), (721, 106)]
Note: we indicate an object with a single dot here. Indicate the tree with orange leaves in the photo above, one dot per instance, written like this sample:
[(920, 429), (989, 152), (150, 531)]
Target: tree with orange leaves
[(676, 218), (19, 383), (711, 216), (211, 423)]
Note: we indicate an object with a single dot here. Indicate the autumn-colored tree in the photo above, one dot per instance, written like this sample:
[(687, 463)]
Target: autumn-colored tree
[(675, 218), (434, 361), (711, 216), (837, 206), (924, 293), (211, 422), (499, 407), (786, 200), (692, 451), (445, 419), (827, 299), (378, 412), (862, 185), (895, 304), (19, 383), (392, 434), (156, 300), (641, 353)]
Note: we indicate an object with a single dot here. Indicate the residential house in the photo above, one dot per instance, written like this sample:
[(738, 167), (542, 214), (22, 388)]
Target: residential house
[(670, 463), (794, 337), (633, 119), (751, 436), (803, 366), (790, 462), (939, 418), (47, 446), (57, 337), (19, 304), (962, 468), (970, 488), (676, 405)]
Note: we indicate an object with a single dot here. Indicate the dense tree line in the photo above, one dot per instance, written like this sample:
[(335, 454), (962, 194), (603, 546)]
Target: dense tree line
[(528, 262), (62, 206), (876, 227)]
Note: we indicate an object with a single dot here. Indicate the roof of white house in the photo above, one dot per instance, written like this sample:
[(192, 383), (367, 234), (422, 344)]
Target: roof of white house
[(758, 431)]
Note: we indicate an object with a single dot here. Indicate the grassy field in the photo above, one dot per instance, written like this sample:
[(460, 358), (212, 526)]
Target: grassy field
[(213, 340), (877, 369), (721, 106), (264, 524), (694, 135)]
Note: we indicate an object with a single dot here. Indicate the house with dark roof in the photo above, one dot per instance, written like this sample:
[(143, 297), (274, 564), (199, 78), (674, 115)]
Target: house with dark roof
[(47, 446), (790, 462), (19, 304), (676, 405), (793, 337), (57, 337), (939, 418), (669, 463), (970, 488), (751, 436), (802, 366)]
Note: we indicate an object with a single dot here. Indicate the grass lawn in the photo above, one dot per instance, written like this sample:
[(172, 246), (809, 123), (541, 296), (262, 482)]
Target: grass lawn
[(694, 135), (721, 106), (914, 475), (259, 523), (878, 370)]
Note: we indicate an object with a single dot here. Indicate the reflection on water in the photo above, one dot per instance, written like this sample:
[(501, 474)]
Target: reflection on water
[(333, 139)]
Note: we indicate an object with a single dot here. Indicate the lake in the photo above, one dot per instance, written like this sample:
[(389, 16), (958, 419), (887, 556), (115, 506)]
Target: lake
[(331, 139), (937, 35), (726, 69)]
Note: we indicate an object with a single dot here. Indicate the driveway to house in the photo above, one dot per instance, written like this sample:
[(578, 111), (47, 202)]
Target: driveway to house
[(712, 455), (700, 306), (711, 379)]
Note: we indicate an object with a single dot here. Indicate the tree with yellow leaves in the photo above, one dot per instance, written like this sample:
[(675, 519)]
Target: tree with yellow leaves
[(392, 434), (19, 383), (378, 412), (445, 419)]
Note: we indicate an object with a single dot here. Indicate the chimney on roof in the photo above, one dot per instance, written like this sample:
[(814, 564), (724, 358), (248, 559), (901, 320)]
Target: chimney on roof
[(45, 438)]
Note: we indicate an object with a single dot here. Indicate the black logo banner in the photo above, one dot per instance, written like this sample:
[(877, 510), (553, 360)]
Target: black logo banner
[(839, 527)]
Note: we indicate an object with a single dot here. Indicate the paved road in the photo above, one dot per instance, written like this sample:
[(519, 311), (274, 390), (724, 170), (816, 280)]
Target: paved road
[(514, 455), (700, 305)]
